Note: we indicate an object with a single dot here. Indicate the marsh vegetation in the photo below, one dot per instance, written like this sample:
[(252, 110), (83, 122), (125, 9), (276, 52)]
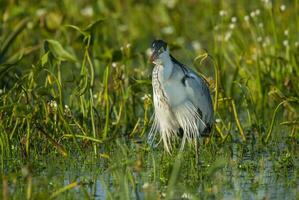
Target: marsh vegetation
[(76, 105)]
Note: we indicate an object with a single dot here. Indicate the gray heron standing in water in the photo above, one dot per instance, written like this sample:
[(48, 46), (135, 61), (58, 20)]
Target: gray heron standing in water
[(182, 101)]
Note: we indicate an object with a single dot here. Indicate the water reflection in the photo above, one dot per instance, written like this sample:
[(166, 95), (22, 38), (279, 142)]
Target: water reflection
[(249, 173)]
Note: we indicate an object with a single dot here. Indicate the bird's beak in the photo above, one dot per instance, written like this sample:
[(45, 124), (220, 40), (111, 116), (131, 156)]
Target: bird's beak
[(154, 56)]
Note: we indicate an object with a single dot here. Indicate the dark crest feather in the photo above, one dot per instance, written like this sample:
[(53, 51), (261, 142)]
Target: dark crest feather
[(157, 44)]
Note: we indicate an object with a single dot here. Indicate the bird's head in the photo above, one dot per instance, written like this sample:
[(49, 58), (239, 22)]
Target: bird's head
[(159, 52)]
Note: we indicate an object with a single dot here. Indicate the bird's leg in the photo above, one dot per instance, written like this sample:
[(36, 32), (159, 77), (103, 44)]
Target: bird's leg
[(180, 133), (196, 152), (206, 132), (183, 143)]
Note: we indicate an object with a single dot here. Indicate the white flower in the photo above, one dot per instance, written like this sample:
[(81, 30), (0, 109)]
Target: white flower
[(40, 12), (148, 52), (267, 4), (67, 110), (285, 43), (216, 28), (234, 19), (296, 44), (114, 64), (1, 91), (282, 8), (186, 196), (257, 12), (87, 11), (232, 26), (196, 45), (168, 30), (170, 3), (227, 36), (246, 18), (266, 41), (128, 45), (286, 32), (146, 97), (259, 39), (222, 13), (53, 104), (261, 25), (252, 14), (146, 185)]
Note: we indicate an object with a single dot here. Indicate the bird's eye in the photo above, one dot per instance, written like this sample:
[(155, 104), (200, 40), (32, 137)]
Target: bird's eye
[(160, 51)]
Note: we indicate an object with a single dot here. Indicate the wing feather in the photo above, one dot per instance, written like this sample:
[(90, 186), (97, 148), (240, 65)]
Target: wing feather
[(199, 94)]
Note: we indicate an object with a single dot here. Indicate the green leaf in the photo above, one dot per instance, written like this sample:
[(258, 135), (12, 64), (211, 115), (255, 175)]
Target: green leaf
[(13, 35), (45, 58), (92, 27), (58, 51), (84, 33)]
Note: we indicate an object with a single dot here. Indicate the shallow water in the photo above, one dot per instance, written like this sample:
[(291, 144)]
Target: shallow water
[(261, 183), (249, 172)]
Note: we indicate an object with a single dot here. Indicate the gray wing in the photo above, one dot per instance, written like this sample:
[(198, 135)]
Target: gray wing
[(199, 94)]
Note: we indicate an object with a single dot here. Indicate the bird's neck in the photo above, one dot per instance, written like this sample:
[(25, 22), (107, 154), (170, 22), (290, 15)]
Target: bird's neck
[(167, 66)]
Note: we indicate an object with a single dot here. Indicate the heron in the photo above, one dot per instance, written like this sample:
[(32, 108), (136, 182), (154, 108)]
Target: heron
[(182, 101)]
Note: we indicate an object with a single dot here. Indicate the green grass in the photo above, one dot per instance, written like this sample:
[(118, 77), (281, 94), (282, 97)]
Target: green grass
[(75, 107)]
